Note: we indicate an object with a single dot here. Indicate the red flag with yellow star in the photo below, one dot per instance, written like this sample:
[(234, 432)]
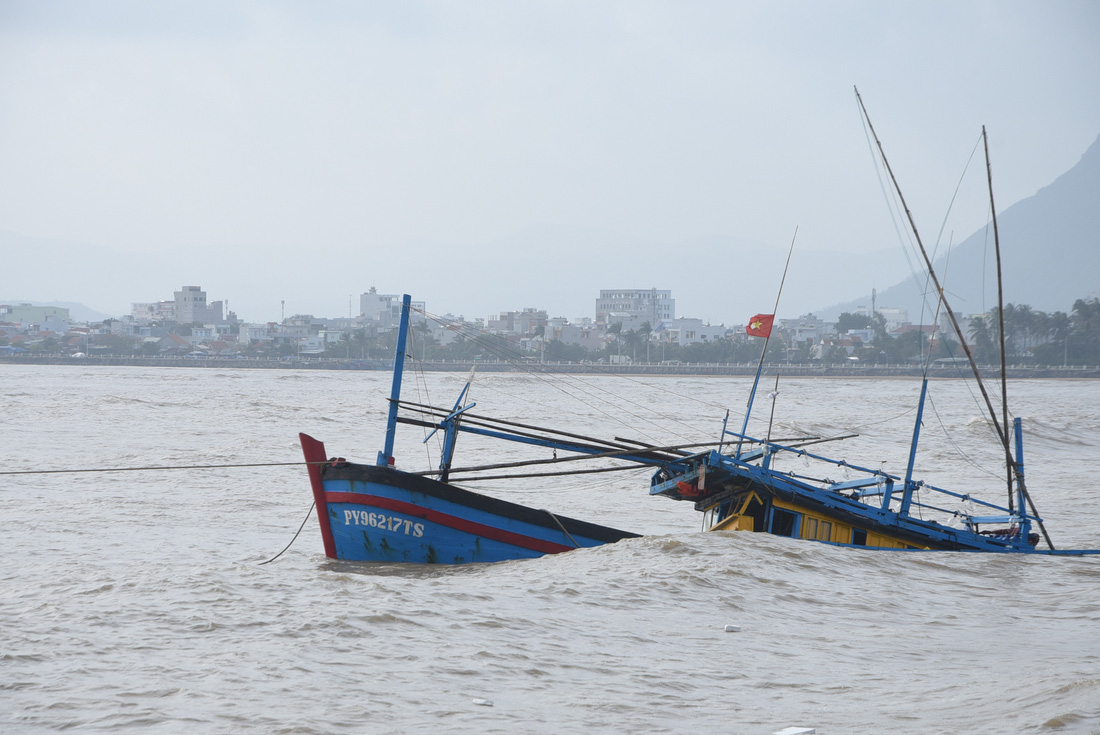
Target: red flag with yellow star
[(760, 325)]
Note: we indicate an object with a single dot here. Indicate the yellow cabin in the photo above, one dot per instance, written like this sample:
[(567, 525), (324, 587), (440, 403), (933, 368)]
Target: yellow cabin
[(750, 512)]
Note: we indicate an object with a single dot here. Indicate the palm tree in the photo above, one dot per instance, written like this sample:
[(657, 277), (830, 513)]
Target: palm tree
[(1026, 322), (1058, 325), (616, 329), (359, 339), (632, 338), (1008, 317), (1086, 330), (984, 350)]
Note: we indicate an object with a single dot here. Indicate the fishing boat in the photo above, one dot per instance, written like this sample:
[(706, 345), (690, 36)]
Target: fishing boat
[(754, 486), (376, 512)]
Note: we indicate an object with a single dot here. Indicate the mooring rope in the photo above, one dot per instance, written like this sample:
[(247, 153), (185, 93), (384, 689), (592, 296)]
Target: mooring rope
[(575, 544), (308, 514), (189, 467)]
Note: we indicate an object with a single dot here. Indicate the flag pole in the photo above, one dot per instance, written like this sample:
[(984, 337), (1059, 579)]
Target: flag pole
[(767, 338)]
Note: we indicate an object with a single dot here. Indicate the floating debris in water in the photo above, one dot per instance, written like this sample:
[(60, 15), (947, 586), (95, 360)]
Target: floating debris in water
[(733, 628), (484, 702), (796, 731)]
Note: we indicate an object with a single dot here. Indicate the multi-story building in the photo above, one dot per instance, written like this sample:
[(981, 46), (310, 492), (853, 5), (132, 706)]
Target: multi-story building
[(586, 336), (893, 317), (806, 329), (256, 333), (156, 311), (450, 327), (529, 320), (53, 318), (648, 304), (686, 331), (191, 306), (504, 324), (384, 309), (373, 306)]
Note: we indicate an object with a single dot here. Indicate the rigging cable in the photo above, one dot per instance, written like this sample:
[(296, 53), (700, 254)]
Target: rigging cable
[(580, 387), (592, 367), (157, 468), (958, 450), (518, 359), (420, 379), (1002, 431), (967, 380)]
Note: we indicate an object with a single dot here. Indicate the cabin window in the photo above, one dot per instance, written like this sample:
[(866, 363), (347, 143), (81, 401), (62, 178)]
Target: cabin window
[(816, 529), (783, 522), (859, 537)]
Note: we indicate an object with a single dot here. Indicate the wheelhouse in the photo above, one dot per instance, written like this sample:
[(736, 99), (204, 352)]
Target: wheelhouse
[(748, 511)]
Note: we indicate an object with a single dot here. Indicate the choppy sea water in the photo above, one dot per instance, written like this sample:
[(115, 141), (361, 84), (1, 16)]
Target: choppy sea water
[(136, 601)]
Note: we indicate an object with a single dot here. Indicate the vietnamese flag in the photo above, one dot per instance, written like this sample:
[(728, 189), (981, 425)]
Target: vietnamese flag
[(760, 325)]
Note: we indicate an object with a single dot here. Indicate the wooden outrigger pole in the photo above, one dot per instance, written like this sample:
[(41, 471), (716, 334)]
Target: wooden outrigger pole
[(1002, 432), (1015, 466), (1010, 465)]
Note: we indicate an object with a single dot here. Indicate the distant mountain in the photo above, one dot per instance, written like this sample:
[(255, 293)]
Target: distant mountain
[(1050, 252), (46, 272)]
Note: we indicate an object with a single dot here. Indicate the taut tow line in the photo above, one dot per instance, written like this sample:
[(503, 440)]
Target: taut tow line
[(156, 468)]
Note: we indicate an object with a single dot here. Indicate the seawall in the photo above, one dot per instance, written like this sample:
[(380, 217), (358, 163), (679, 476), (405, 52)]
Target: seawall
[(856, 370)]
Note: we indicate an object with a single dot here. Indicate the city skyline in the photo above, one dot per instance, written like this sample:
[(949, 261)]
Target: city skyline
[(497, 153)]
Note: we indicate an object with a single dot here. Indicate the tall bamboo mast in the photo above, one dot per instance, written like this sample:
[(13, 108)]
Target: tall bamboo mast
[(935, 280), (1014, 467), (1010, 464), (1001, 431)]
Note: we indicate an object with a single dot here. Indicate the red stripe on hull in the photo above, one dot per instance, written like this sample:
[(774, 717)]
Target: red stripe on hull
[(450, 521)]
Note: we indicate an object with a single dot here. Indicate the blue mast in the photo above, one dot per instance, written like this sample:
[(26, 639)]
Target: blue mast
[(1021, 488), (910, 486), (385, 457)]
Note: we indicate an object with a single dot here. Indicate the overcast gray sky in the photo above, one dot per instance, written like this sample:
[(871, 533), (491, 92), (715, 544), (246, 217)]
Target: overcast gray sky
[(495, 155)]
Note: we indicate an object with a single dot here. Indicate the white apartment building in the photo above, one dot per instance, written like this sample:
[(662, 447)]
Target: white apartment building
[(385, 308), (648, 304), (255, 333), (156, 311), (685, 331), (894, 318), (806, 328)]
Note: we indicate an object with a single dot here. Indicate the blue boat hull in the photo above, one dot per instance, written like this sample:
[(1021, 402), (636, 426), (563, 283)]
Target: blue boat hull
[(376, 513)]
